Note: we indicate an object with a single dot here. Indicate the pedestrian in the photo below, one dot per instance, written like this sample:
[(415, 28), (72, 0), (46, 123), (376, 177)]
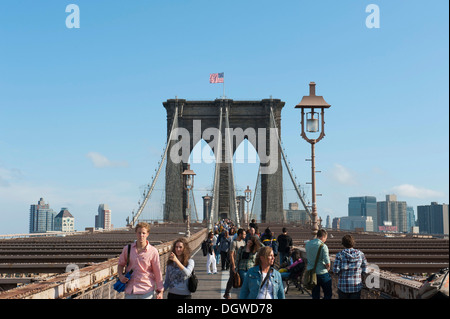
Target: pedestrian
[(251, 232), (235, 245), (268, 239), (263, 281), (216, 246), (179, 268), (323, 264), (246, 256), (210, 256), (284, 245), (349, 264), (224, 246), (146, 280), (253, 224)]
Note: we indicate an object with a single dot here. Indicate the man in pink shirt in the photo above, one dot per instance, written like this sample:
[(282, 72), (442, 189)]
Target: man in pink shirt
[(146, 280)]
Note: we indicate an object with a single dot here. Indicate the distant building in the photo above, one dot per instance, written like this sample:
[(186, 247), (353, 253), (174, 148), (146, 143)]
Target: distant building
[(363, 206), (393, 211), (410, 218), (64, 221), (336, 223), (353, 222), (433, 219), (328, 224), (103, 219), (294, 214), (41, 217)]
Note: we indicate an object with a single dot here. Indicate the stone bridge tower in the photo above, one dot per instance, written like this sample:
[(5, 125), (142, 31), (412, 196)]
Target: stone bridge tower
[(195, 119)]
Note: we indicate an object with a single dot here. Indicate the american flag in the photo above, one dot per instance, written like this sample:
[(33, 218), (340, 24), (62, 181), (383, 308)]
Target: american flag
[(216, 78)]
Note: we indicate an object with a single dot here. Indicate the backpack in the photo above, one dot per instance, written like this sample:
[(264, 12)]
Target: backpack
[(204, 248), (436, 286)]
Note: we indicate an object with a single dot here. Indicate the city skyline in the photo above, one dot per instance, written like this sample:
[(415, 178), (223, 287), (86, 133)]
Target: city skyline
[(83, 120)]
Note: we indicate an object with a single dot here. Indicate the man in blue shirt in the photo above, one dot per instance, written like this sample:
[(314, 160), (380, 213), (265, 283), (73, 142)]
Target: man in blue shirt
[(323, 264)]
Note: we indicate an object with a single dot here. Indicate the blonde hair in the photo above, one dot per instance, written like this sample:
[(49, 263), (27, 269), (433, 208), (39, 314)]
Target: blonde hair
[(142, 225), (263, 252)]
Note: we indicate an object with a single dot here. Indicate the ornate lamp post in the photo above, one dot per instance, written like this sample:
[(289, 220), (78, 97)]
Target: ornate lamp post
[(310, 103), (248, 198), (188, 184)]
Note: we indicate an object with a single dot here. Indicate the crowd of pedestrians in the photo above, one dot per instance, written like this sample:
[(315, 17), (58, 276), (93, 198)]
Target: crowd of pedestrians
[(246, 252)]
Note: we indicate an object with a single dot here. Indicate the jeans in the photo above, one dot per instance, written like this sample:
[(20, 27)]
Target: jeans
[(225, 260), (283, 257), (323, 281)]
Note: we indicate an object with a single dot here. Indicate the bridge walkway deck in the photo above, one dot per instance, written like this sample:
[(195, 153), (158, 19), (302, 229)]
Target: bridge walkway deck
[(212, 286)]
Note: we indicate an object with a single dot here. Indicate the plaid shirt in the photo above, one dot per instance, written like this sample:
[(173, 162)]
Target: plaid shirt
[(349, 264)]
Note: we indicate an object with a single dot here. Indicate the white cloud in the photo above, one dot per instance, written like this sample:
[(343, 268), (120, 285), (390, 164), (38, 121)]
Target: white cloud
[(101, 161), (407, 190), (343, 175), (9, 175)]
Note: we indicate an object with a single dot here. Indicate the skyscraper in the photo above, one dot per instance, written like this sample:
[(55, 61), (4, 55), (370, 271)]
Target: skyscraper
[(365, 206), (433, 219), (410, 218), (41, 217), (393, 211), (103, 219)]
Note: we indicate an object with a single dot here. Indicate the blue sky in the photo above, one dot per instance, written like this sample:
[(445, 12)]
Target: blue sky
[(82, 121)]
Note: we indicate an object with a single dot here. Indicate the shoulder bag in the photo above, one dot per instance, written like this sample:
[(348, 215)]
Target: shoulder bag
[(193, 282), (310, 277)]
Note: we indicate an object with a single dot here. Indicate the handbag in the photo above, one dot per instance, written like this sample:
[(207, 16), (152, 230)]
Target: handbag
[(193, 282), (237, 282), (310, 277), (120, 286), (236, 278)]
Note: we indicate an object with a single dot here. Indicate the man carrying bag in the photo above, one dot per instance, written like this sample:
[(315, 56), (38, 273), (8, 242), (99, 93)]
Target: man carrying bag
[(317, 250)]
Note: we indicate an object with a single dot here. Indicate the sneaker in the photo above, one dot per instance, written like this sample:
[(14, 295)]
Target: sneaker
[(227, 296)]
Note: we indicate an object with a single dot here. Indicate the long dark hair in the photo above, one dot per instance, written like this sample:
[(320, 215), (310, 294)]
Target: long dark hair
[(256, 244), (186, 252)]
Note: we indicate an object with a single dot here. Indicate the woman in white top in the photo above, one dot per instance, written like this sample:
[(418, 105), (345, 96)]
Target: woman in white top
[(179, 269)]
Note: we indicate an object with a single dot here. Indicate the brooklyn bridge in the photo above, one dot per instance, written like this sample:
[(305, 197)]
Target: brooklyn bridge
[(83, 265)]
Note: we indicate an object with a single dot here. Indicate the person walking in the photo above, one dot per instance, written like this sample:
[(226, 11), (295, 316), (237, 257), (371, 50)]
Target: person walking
[(263, 281), (179, 268), (146, 280), (268, 239), (235, 245), (349, 265), (210, 256), (313, 247), (284, 245), (216, 246), (246, 256), (224, 246)]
